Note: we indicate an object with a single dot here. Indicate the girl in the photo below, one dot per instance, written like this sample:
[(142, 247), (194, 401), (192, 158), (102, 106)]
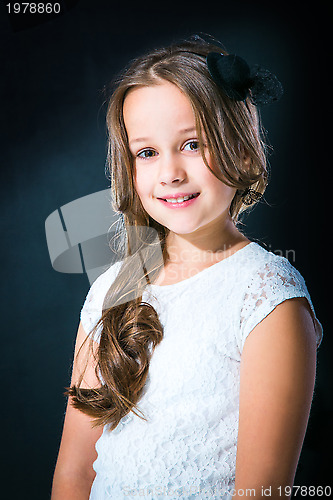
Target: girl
[(195, 357)]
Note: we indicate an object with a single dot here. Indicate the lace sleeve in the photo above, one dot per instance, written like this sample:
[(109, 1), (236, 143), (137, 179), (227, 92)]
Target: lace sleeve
[(91, 310), (277, 282)]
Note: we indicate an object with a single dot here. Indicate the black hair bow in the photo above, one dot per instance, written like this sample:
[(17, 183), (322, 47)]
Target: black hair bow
[(238, 81)]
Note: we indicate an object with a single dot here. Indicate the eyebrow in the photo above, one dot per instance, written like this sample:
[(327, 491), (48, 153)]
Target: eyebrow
[(181, 131)]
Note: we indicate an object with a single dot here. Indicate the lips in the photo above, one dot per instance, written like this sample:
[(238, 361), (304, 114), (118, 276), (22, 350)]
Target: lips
[(179, 202), (179, 197)]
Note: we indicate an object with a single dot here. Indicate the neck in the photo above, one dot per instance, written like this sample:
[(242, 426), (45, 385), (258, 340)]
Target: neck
[(208, 244)]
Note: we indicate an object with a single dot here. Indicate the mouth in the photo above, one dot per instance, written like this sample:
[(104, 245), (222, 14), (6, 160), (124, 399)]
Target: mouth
[(180, 201)]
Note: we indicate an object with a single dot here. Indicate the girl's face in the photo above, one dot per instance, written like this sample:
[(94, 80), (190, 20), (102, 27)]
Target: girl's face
[(168, 165)]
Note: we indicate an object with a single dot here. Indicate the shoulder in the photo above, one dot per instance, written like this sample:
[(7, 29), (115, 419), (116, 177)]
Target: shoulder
[(102, 283), (267, 281), (93, 305), (261, 267), (258, 259)]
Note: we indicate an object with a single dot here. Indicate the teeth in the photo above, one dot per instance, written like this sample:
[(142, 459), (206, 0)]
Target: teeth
[(179, 200)]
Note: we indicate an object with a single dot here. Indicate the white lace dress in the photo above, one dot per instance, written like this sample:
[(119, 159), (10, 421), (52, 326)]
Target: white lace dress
[(187, 447)]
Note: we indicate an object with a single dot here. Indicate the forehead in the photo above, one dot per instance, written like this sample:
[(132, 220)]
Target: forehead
[(161, 105)]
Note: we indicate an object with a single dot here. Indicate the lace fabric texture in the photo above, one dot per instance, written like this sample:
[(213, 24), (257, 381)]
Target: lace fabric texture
[(186, 447)]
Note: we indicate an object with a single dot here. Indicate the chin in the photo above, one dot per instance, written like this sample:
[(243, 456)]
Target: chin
[(178, 223), (181, 229)]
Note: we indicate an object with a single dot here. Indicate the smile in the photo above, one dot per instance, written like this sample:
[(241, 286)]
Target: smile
[(181, 201)]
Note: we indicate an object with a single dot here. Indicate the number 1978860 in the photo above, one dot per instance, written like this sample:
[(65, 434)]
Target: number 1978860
[(33, 8)]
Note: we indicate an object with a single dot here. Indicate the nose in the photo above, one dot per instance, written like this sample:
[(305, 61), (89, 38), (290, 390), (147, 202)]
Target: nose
[(171, 171)]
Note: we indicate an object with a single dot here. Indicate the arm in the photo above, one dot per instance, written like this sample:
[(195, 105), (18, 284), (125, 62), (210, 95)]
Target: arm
[(277, 379), (74, 474)]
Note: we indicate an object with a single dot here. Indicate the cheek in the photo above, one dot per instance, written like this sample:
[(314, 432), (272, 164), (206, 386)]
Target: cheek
[(214, 184), (138, 182), (221, 191), (214, 181), (227, 193), (142, 184)]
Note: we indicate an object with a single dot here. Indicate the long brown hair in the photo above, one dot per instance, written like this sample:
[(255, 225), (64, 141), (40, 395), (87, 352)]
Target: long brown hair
[(130, 328)]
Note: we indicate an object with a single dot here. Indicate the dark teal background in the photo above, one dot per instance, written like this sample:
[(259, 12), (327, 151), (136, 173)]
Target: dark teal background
[(53, 152)]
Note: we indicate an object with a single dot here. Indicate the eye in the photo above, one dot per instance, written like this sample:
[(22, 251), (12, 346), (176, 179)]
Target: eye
[(145, 154), (191, 146)]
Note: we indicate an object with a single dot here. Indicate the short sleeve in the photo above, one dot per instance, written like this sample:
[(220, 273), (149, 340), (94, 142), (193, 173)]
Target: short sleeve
[(91, 311), (269, 287)]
